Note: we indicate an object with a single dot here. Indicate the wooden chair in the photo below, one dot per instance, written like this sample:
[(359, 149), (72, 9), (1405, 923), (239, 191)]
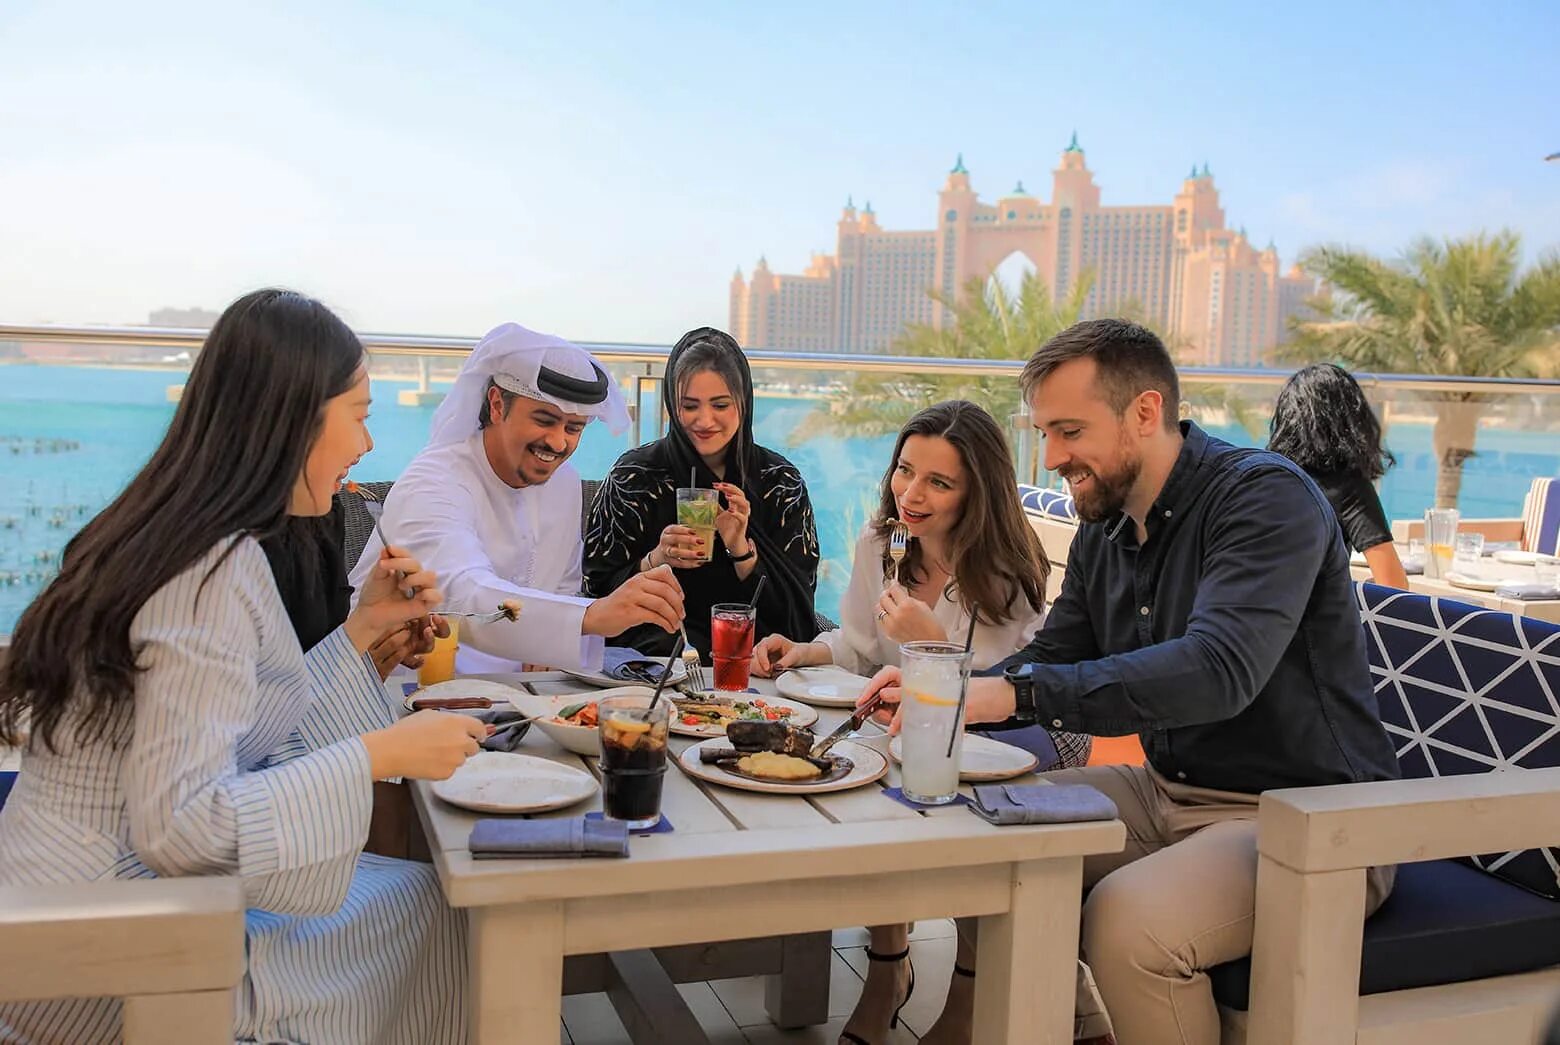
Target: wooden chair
[(1467, 947), (172, 948)]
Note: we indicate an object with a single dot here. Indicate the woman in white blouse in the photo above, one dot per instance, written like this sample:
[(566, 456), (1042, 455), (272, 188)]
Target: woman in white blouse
[(174, 726), (950, 482)]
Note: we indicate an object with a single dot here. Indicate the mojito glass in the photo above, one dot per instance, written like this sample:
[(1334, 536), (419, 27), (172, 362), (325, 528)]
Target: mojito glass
[(697, 509), (933, 674)]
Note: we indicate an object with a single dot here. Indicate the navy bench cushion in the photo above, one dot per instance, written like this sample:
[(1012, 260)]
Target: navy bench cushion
[(1445, 922), (1463, 689)]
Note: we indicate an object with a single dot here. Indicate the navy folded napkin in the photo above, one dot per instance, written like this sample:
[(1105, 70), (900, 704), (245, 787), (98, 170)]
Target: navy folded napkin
[(1004, 804), (496, 839), (629, 665), (510, 728)]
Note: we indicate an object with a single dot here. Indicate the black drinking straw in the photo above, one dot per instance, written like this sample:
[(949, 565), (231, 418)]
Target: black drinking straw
[(964, 683), (757, 590), (666, 672)]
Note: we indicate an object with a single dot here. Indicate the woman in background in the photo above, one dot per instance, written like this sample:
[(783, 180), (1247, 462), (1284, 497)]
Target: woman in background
[(1323, 423)]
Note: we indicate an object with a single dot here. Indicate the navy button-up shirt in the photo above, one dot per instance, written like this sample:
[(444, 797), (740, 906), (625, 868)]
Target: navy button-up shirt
[(1229, 640)]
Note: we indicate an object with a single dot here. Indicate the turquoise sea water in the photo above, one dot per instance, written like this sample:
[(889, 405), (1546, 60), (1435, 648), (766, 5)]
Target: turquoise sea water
[(71, 437)]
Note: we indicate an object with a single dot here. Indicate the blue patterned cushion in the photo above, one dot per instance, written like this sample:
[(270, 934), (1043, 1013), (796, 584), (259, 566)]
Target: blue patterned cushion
[(7, 781), (1038, 500), (1463, 689)]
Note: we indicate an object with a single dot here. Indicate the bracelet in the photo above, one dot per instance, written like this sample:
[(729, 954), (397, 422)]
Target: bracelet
[(645, 564), (752, 551)]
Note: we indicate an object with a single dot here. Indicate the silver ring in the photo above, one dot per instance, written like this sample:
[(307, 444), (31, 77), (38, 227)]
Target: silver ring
[(881, 614)]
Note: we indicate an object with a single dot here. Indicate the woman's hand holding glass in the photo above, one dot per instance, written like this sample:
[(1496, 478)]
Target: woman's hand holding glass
[(679, 547), (732, 522)]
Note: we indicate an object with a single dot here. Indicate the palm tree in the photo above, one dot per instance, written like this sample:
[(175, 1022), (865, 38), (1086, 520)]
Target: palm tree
[(1458, 308), (989, 322)]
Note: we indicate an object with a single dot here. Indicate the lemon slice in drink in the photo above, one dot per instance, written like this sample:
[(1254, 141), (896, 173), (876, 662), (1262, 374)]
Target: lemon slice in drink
[(927, 698)]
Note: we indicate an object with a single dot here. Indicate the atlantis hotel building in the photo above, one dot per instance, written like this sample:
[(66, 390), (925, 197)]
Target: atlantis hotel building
[(1223, 302)]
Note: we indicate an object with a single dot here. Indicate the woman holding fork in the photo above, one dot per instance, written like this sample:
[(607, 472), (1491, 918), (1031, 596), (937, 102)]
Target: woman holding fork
[(963, 546)]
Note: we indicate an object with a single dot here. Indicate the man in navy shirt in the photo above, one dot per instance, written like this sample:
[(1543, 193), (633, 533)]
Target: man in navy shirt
[(1208, 608)]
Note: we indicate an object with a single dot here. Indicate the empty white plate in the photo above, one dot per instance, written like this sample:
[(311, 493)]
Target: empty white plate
[(823, 687), (509, 782), (1472, 583), (982, 759), (1517, 557)]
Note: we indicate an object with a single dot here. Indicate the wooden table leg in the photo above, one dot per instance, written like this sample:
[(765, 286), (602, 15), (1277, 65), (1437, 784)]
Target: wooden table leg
[(516, 974), (1027, 958), (798, 995)]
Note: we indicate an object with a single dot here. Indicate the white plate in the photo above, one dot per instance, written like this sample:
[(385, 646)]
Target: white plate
[(982, 760), (801, 714), (869, 766), (824, 687), (497, 692), (582, 740), (596, 678), (509, 782), (1517, 557), (1463, 580)]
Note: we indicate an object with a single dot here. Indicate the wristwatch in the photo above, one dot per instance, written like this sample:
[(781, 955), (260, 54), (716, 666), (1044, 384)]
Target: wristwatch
[(1021, 678), (752, 551)]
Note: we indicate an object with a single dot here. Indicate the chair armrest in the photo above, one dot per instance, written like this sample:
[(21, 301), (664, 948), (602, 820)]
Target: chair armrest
[(1493, 529), (1348, 826), (120, 937)]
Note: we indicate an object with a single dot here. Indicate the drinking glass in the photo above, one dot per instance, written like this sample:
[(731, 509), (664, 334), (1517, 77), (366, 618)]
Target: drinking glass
[(633, 758), (731, 644), (697, 509), (1440, 531), (439, 663), (932, 674), (1467, 550)]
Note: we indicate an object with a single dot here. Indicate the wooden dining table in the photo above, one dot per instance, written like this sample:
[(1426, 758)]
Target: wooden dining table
[(740, 865), (1538, 609)]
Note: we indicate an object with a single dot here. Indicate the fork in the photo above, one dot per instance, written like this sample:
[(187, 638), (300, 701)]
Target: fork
[(898, 547), (481, 618), (384, 541), (691, 665)]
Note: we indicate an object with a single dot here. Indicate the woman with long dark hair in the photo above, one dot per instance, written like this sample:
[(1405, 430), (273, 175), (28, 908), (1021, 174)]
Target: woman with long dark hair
[(172, 726), (1323, 423), (971, 553), (765, 525)]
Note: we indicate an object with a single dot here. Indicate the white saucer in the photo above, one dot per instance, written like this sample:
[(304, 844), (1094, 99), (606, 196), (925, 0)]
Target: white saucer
[(497, 692), (982, 760), (1517, 557), (823, 687), (509, 782)]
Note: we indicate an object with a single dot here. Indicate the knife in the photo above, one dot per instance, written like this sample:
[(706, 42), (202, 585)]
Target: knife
[(850, 725)]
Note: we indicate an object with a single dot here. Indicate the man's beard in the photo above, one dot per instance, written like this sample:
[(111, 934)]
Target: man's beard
[(1104, 496)]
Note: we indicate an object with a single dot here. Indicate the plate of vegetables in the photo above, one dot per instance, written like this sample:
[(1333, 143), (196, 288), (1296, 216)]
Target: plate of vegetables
[(707, 715), (570, 718)]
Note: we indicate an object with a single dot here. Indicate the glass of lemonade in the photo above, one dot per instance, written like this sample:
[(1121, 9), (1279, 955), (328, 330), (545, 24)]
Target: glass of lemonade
[(932, 675), (439, 663), (1440, 533), (696, 509)]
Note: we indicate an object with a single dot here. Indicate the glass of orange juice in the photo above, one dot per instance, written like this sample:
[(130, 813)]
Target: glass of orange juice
[(439, 663), (932, 674)]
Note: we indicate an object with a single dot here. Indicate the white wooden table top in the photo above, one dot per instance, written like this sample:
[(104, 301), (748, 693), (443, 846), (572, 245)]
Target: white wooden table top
[(725, 837)]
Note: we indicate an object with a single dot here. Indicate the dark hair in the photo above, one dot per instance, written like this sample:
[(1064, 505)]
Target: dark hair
[(227, 465), (1323, 423), (1130, 360), (994, 554), (484, 416)]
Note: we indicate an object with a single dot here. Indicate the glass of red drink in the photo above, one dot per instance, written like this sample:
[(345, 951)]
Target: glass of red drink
[(731, 644)]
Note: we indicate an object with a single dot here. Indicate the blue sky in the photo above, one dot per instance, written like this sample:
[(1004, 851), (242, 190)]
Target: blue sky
[(600, 169)]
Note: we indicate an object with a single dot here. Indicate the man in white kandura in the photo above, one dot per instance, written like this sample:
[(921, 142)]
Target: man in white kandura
[(492, 507)]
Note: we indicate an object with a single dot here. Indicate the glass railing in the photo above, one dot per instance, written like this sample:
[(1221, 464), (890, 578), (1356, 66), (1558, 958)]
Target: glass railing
[(82, 408)]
